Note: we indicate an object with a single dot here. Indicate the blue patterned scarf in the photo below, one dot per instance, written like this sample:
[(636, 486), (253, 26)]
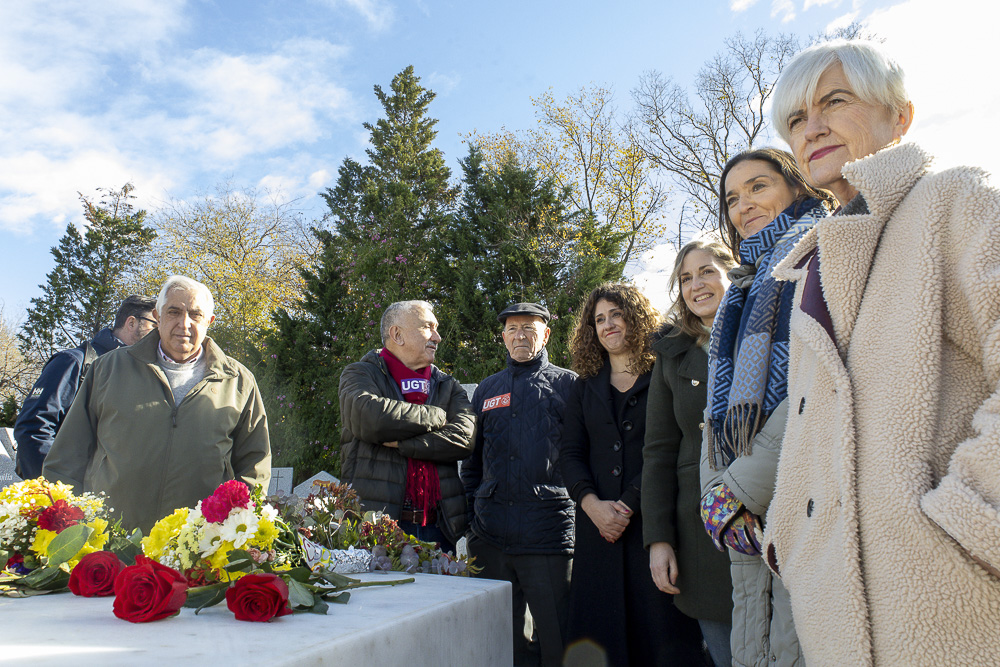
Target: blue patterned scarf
[(748, 355)]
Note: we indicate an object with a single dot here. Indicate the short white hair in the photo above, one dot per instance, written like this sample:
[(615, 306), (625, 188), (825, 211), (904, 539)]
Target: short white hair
[(396, 310), (189, 285), (873, 74)]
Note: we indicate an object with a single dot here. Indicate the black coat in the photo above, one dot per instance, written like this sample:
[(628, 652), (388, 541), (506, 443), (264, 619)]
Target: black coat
[(514, 490), (671, 486), (613, 600)]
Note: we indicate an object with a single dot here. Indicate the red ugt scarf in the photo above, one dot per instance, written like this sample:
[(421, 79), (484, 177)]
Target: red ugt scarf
[(423, 488)]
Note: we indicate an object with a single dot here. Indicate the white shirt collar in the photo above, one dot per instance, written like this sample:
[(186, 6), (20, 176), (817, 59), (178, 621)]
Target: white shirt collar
[(167, 359)]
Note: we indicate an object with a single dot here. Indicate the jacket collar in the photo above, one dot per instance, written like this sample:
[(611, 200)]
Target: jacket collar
[(216, 361), (847, 243), (674, 343), (540, 361), (105, 341)]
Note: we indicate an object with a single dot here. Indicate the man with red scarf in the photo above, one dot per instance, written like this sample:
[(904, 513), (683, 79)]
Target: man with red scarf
[(406, 424)]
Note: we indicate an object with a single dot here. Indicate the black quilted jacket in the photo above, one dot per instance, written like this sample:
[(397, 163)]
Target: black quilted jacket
[(373, 411), (516, 497)]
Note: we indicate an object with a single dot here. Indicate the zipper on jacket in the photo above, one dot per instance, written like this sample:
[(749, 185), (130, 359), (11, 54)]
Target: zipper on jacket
[(173, 417)]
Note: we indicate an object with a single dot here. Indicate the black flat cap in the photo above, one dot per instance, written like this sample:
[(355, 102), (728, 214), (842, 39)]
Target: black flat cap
[(524, 309)]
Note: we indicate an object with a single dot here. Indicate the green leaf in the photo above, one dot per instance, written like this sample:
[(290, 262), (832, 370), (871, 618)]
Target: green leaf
[(4, 556), (205, 596), (318, 607), (299, 595), (46, 579), (240, 561), (300, 574), (66, 544), (340, 597), (335, 578)]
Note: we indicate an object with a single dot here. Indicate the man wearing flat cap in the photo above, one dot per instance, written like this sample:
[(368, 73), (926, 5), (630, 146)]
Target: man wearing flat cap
[(521, 516)]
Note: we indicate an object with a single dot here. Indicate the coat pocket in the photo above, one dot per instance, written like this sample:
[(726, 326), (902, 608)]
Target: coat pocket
[(486, 488), (751, 609), (550, 492)]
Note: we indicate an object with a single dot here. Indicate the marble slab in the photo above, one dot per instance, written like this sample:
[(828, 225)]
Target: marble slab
[(436, 620), (7, 454), (307, 487), (281, 482)]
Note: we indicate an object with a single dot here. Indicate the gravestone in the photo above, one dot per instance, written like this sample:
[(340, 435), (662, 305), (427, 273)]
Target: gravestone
[(281, 482), (8, 442), (313, 483), (7, 455)]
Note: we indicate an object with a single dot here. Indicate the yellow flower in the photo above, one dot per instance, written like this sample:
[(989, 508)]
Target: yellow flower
[(99, 537), (267, 532), (41, 543), (165, 530), (220, 558)]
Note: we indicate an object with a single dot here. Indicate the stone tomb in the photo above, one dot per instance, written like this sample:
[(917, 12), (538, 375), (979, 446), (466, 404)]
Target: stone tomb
[(281, 482), (309, 486), (7, 456)]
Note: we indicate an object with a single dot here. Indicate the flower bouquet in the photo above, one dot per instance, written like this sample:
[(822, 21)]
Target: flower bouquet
[(44, 532), (335, 534), (233, 546)]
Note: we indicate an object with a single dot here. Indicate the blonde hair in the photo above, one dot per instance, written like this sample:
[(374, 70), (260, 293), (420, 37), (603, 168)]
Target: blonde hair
[(680, 314)]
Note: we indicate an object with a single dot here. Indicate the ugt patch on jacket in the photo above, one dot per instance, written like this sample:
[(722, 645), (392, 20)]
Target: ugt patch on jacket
[(502, 401)]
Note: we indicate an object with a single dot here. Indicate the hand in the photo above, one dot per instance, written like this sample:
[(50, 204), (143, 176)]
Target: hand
[(663, 565), (393, 445), (607, 515)]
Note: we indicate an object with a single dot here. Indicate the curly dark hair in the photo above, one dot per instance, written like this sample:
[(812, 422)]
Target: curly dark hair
[(641, 319), (784, 164)]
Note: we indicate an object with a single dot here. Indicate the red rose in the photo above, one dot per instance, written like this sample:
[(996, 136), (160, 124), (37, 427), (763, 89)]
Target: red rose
[(258, 597), (148, 591), (94, 576), (60, 516)]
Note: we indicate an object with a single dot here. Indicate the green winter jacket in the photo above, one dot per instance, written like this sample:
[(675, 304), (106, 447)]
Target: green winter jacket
[(373, 411), (124, 435)]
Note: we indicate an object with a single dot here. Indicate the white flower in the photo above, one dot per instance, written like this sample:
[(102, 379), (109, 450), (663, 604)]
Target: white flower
[(210, 539), (268, 512), (240, 526)]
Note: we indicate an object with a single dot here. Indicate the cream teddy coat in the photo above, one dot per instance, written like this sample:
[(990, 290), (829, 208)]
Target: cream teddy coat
[(888, 485)]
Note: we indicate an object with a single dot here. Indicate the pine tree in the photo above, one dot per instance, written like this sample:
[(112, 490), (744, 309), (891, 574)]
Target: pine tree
[(376, 251), (92, 273), (516, 237)]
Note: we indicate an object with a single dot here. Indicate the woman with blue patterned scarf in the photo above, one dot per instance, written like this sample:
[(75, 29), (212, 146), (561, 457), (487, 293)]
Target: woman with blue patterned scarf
[(765, 207)]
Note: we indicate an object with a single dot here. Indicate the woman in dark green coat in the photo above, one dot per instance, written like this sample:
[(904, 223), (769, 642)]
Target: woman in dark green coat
[(682, 558)]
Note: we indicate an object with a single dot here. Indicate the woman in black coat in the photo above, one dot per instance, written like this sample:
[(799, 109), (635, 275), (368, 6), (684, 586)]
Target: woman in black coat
[(682, 557), (614, 603)]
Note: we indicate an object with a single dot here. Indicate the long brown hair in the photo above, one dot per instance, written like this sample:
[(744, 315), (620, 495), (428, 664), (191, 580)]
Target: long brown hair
[(784, 164), (679, 314), (641, 320)]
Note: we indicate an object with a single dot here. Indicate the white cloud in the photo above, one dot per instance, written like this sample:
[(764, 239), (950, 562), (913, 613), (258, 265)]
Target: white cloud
[(818, 3), (784, 8), (378, 13), (946, 57), (441, 83), (741, 5), (652, 275), (840, 22)]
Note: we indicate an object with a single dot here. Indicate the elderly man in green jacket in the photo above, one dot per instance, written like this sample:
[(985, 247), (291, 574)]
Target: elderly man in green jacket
[(159, 425), (406, 426)]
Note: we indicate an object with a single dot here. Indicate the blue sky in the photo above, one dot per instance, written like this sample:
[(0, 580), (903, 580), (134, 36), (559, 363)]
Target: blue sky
[(177, 96)]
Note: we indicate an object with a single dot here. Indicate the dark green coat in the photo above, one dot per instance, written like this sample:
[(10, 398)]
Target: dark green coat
[(671, 490)]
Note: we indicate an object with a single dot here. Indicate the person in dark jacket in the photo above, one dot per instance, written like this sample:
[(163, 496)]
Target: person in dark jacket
[(615, 608), (521, 514), (406, 425), (682, 558), (45, 408)]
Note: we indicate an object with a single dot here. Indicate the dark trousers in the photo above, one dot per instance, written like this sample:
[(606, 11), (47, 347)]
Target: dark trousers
[(540, 582)]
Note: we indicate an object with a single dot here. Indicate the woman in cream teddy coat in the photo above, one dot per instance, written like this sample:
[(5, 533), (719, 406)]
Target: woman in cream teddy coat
[(885, 523)]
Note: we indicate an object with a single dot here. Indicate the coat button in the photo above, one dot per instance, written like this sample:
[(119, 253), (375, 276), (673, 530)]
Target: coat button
[(627, 425), (617, 446), (809, 507), (512, 457), (617, 471), (701, 426), (510, 503), (695, 383), (632, 400), (802, 405)]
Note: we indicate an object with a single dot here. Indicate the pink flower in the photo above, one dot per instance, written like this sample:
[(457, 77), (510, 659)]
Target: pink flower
[(216, 507)]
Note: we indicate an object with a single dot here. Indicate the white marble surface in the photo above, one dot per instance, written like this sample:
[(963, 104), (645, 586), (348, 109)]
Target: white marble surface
[(436, 620)]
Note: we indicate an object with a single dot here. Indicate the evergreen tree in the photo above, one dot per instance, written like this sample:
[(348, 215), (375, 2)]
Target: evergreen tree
[(92, 273), (516, 237), (378, 250)]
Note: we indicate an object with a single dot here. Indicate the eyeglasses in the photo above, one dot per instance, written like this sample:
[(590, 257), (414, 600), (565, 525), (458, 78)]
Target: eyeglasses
[(147, 319)]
